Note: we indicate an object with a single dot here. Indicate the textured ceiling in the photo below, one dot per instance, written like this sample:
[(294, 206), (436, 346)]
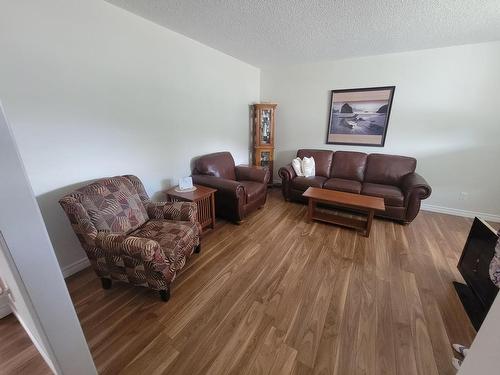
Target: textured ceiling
[(294, 31)]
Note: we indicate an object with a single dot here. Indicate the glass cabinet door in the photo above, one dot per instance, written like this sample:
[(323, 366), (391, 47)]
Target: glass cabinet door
[(265, 158), (265, 126)]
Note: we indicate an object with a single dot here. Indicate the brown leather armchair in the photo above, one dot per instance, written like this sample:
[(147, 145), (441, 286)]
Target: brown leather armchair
[(240, 189)]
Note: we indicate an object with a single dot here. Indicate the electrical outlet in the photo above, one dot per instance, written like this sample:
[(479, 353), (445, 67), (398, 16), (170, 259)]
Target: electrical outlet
[(463, 196)]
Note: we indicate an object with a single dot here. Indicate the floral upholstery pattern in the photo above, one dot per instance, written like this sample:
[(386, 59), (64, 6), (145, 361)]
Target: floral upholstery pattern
[(178, 239), (181, 211), (113, 205), (495, 265), (172, 211), (129, 238)]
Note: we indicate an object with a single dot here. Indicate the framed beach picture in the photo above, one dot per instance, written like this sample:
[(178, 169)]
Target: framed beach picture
[(360, 116)]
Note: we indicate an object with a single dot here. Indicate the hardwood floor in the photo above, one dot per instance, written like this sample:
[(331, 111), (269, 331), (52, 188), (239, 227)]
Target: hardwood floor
[(18, 355), (278, 295)]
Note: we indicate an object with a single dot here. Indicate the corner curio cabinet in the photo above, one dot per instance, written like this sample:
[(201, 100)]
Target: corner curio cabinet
[(263, 141)]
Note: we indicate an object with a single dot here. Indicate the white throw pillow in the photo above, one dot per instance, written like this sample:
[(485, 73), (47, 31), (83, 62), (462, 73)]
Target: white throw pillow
[(297, 166), (308, 167)]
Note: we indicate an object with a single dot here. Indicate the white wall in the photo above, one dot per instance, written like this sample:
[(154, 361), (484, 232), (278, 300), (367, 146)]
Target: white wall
[(483, 357), (92, 91), (445, 113)]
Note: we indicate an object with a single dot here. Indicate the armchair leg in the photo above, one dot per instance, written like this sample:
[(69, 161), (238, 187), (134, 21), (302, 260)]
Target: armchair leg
[(197, 249), (106, 283), (164, 294)]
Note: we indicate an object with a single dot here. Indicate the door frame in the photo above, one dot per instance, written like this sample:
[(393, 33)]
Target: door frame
[(39, 282)]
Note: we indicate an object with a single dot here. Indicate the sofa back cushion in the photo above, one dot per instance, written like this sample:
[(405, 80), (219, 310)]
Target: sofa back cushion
[(322, 160), (219, 164), (349, 165), (388, 169), (113, 205)]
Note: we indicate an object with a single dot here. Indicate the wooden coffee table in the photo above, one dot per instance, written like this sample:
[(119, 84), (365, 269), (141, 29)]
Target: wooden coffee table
[(357, 202), (204, 197)]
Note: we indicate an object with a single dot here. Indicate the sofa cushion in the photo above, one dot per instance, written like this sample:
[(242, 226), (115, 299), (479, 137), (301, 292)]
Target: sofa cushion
[(253, 190), (388, 169), (302, 183), (342, 184), (219, 164), (322, 160), (393, 196), (308, 167), (297, 166), (349, 165)]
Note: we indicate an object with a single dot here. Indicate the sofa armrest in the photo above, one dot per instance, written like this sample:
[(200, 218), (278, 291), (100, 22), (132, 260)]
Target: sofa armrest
[(252, 173), (223, 186), (179, 211), (287, 173), (143, 249), (414, 183)]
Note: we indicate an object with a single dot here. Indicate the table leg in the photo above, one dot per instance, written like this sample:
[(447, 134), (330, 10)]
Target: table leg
[(212, 207), (369, 223), (310, 209)]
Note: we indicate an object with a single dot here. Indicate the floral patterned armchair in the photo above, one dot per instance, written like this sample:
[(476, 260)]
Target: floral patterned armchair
[(129, 238)]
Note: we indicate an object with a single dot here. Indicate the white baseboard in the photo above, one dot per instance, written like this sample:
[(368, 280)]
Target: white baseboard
[(75, 267), (458, 212)]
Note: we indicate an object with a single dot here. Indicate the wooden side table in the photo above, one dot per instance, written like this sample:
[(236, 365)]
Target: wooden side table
[(204, 197)]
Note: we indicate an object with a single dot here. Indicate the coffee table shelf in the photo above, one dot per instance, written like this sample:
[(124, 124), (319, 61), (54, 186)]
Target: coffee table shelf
[(340, 199)]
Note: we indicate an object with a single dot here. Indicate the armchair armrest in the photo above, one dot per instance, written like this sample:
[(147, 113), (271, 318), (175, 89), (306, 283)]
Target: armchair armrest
[(224, 186), (180, 211), (144, 249), (79, 219), (252, 173), (414, 183), (287, 173)]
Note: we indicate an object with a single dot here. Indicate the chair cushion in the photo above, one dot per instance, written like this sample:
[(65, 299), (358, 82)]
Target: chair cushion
[(349, 165), (322, 160), (253, 190), (113, 204), (342, 184), (393, 196), (176, 238), (388, 169), (302, 183)]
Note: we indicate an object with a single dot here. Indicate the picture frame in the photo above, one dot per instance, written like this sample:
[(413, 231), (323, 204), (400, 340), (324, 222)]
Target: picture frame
[(360, 116)]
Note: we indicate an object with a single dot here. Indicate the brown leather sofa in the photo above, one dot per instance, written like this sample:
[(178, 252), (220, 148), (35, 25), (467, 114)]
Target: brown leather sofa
[(390, 177), (240, 189)]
